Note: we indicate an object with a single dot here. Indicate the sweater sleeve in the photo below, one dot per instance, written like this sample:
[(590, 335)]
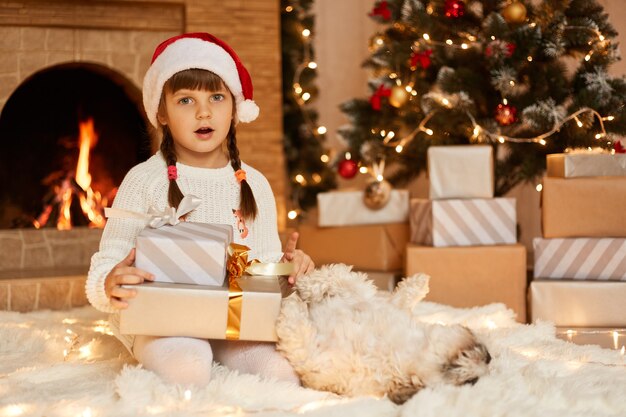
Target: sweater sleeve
[(118, 238)]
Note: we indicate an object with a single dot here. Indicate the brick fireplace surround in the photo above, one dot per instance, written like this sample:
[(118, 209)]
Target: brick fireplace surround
[(45, 269)]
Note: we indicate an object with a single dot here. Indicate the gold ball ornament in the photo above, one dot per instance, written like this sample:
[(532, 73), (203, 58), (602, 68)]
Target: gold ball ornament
[(377, 194), (399, 96), (515, 12)]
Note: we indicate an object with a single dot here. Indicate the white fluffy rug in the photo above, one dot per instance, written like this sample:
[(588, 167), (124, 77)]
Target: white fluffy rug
[(532, 374)]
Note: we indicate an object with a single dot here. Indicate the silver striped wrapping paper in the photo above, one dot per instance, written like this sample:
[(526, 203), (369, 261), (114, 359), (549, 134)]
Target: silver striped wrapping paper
[(470, 222), (580, 258), (188, 253)]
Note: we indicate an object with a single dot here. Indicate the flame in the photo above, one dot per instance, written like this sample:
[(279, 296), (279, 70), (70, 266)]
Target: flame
[(92, 203)]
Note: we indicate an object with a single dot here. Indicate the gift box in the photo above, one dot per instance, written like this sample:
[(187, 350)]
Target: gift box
[(578, 303), (580, 258), (187, 253), (469, 276), (460, 171), (346, 208), (572, 165), (368, 248), (584, 207), (469, 222), (165, 309)]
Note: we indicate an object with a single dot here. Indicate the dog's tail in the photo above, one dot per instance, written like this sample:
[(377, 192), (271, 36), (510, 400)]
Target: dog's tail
[(411, 291)]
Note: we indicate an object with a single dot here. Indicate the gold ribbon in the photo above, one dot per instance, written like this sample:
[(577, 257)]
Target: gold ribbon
[(238, 265)]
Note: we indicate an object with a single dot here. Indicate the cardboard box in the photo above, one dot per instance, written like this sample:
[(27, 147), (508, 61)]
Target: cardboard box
[(579, 303), (460, 171), (188, 253), (165, 309), (584, 207), (455, 222), (367, 248), (580, 258), (346, 208), (470, 276), (572, 165)]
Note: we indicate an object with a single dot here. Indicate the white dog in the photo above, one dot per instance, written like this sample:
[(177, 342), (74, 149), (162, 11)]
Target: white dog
[(342, 335)]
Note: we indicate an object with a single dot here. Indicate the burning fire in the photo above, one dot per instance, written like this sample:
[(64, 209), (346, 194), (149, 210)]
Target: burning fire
[(92, 202)]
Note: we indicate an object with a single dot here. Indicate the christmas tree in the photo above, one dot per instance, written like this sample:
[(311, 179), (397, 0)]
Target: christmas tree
[(303, 141), (529, 78)]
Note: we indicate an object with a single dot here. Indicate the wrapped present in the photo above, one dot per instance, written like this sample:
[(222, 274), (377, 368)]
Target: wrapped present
[(460, 171), (469, 276), (585, 164), (580, 258), (468, 222), (346, 208), (587, 207), (367, 248), (578, 303), (244, 308), (187, 253)]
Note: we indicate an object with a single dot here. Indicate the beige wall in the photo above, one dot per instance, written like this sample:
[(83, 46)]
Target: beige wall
[(342, 34)]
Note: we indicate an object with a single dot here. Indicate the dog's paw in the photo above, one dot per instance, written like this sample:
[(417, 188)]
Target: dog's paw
[(411, 291)]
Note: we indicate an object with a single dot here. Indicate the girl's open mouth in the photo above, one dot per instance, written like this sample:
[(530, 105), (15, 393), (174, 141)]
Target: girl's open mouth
[(204, 132)]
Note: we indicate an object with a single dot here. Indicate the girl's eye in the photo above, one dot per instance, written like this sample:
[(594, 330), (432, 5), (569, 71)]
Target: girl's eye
[(185, 100), (218, 97)]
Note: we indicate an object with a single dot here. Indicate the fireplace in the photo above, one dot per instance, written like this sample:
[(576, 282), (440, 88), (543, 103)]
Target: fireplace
[(40, 138)]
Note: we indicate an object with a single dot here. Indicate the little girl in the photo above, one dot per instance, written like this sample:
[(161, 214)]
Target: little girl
[(194, 93)]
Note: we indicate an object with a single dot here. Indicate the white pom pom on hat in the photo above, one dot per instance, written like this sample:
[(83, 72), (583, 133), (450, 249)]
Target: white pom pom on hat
[(198, 51)]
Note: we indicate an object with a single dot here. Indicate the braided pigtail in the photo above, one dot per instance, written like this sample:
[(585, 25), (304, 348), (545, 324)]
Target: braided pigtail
[(248, 206), (174, 194)]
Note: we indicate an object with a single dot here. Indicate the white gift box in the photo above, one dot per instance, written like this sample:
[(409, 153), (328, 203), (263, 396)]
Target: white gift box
[(162, 309), (346, 208), (455, 222), (460, 171), (579, 303), (187, 253), (585, 165), (580, 258)]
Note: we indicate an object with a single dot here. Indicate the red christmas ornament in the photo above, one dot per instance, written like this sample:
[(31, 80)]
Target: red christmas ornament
[(506, 114), (421, 58), (375, 100), (381, 9), (347, 168), (454, 8), (619, 148)]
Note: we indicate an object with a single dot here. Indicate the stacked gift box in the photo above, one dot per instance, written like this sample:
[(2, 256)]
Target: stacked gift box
[(349, 232), (191, 295), (463, 237), (580, 262)]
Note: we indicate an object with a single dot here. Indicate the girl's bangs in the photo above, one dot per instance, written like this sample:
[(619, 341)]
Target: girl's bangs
[(195, 79)]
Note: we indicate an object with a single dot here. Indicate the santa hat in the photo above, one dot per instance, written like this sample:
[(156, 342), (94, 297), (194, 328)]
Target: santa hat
[(199, 51)]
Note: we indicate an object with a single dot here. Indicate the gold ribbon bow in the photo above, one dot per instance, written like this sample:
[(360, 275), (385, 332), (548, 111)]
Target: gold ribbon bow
[(238, 265)]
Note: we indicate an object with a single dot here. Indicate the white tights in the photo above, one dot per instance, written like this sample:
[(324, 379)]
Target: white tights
[(188, 361)]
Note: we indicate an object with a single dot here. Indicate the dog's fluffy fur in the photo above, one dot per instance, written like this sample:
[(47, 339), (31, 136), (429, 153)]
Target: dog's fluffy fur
[(342, 335)]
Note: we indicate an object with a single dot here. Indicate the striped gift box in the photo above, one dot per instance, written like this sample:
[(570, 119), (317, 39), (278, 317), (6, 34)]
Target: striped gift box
[(581, 258), (188, 253), (465, 222)]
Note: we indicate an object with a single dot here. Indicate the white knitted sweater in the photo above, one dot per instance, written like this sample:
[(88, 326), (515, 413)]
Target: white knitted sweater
[(146, 186)]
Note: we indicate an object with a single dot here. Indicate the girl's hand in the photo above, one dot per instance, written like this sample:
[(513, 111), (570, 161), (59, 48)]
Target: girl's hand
[(302, 262), (124, 273)]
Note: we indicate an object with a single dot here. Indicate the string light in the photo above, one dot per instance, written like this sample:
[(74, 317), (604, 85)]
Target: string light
[(324, 158), (539, 187), (292, 214), (363, 170)]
